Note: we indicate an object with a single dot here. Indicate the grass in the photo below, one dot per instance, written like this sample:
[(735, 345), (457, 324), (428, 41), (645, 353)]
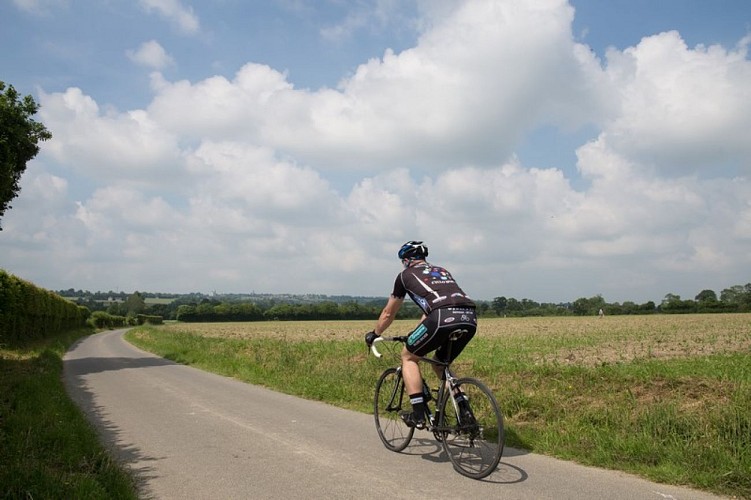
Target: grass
[(47, 448), (665, 397)]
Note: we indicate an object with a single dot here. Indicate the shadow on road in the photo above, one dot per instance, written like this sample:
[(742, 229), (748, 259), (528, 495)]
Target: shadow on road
[(431, 450), (85, 366), (130, 456)]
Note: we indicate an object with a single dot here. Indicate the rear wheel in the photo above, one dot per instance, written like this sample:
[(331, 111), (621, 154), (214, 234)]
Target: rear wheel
[(473, 441), (388, 402)]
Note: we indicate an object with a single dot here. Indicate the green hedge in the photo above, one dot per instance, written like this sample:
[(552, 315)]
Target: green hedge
[(28, 312), (101, 319), (150, 319)]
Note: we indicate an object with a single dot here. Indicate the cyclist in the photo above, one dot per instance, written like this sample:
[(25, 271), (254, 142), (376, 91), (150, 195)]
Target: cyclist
[(445, 308)]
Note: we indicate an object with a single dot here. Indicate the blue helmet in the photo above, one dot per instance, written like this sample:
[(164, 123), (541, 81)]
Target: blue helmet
[(413, 250)]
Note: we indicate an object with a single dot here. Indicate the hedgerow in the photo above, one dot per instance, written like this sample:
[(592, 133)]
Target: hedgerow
[(28, 312)]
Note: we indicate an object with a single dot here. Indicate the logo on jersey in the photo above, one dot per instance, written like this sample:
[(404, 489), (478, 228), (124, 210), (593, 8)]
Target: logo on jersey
[(437, 275)]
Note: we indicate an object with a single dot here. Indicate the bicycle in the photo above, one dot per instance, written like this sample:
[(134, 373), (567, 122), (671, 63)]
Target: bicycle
[(473, 437)]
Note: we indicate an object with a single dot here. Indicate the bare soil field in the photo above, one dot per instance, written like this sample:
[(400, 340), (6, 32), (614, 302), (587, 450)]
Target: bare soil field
[(570, 340)]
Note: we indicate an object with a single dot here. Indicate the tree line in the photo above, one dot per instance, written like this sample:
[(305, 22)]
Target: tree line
[(737, 298), (202, 308)]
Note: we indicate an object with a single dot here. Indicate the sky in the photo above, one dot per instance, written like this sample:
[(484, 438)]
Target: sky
[(546, 149)]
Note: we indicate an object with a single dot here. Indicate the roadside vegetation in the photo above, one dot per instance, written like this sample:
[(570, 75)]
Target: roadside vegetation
[(667, 397), (47, 448)]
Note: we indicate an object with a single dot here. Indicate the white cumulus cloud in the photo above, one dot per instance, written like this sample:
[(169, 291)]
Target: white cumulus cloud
[(150, 54)]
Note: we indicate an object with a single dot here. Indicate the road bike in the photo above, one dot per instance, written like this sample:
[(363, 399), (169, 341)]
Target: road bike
[(471, 435)]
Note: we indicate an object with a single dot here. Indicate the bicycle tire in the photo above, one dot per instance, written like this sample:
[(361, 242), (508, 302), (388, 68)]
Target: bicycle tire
[(475, 450), (389, 400)]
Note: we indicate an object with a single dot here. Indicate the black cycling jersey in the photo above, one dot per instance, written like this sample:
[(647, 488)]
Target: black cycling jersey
[(430, 287)]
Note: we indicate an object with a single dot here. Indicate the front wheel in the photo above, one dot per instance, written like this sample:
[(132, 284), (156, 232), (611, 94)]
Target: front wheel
[(472, 439), (388, 402)]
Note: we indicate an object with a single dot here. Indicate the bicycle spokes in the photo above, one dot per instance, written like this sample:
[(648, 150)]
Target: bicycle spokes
[(473, 434), (389, 396)]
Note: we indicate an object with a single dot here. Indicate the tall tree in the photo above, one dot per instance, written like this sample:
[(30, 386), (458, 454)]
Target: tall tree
[(706, 296), (135, 304), (499, 305), (19, 138)]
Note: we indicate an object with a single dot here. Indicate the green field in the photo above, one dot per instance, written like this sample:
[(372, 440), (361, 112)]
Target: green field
[(667, 397)]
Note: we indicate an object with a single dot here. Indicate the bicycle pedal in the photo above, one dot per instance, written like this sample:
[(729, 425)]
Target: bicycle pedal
[(409, 419)]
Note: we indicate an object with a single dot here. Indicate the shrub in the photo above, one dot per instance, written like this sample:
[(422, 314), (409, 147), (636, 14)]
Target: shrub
[(152, 320), (101, 319)]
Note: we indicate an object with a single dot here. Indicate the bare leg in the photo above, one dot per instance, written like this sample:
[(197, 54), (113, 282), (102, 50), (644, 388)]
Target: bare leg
[(411, 372), (412, 380)]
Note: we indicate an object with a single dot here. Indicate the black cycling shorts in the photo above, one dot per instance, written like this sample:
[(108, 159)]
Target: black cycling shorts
[(432, 334)]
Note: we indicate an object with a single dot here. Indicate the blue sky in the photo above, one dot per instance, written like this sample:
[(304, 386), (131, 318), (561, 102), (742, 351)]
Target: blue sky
[(547, 150)]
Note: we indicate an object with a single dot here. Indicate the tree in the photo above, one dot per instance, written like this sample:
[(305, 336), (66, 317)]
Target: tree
[(706, 296), (135, 304), (738, 297), (19, 136), (588, 306), (186, 312), (482, 307), (513, 305), (672, 303), (499, 305)]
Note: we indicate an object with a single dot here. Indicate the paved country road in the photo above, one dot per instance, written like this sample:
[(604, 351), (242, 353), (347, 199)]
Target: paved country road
[(188, 434)]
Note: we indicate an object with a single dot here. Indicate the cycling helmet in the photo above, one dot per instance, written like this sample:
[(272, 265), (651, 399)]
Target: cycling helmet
[(413, 250)]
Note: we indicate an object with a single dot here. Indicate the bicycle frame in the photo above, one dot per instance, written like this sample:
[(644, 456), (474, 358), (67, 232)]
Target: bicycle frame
[(448, 381)]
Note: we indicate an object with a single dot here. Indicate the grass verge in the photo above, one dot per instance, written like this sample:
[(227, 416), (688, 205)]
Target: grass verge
[(677, 420), (47, 448)]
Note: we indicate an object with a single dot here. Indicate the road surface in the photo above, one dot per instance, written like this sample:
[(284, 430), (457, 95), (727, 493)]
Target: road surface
[(188, 434)]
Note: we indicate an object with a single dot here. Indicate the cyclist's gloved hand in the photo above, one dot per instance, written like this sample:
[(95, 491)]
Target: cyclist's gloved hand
[(370, 337)]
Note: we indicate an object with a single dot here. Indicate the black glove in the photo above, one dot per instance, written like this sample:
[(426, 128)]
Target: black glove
[(370, 337)]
